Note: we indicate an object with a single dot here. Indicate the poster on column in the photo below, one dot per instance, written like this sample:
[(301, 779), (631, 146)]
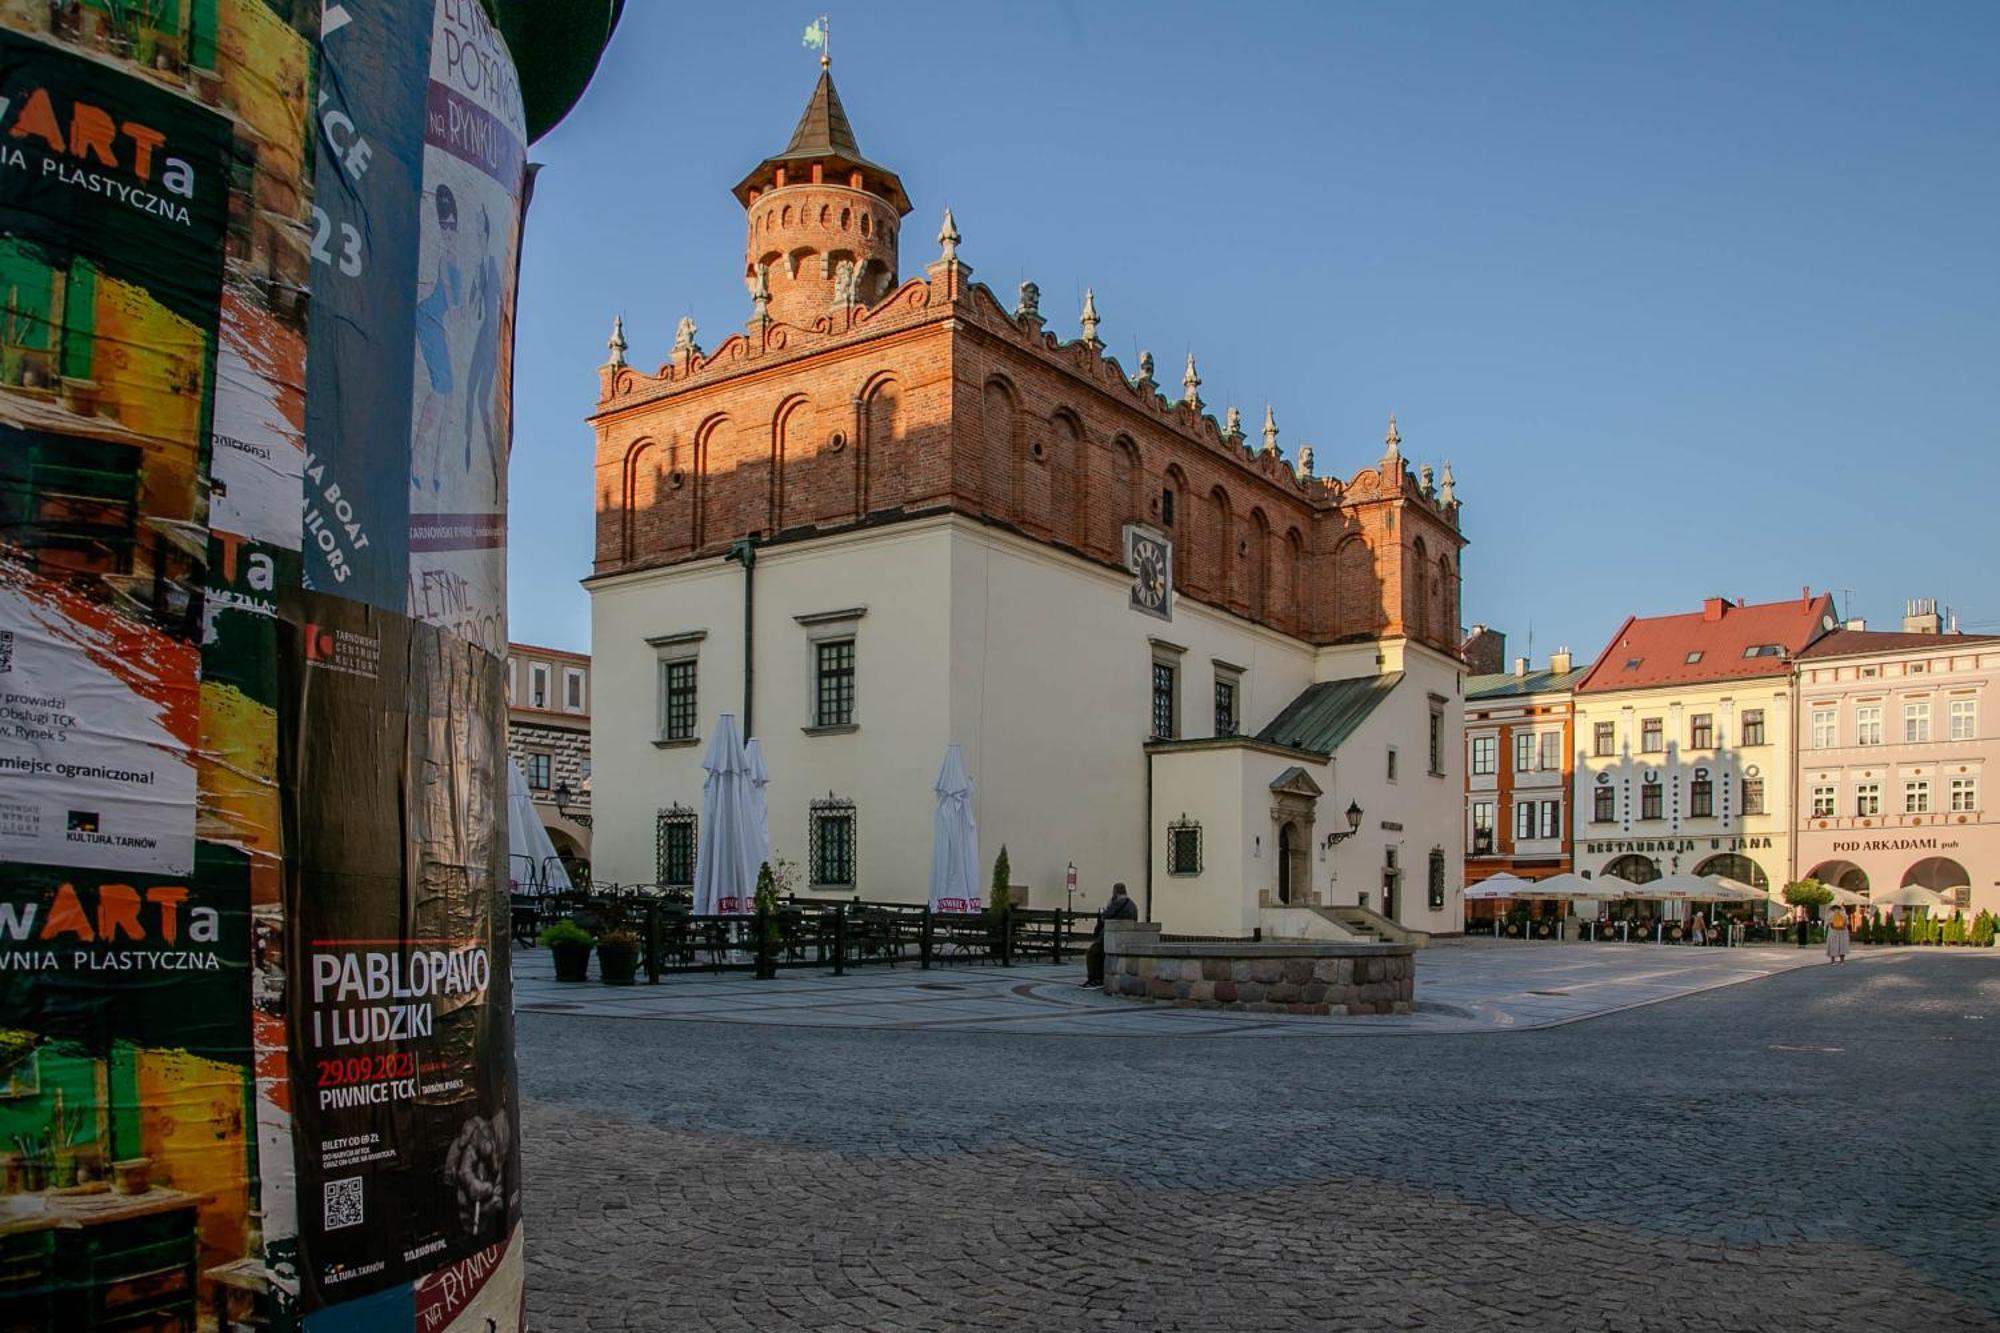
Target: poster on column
[(113, 202), (401, 1038), (475, 158)]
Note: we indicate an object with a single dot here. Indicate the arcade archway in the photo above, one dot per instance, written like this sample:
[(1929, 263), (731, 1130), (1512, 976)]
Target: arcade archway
[(1841, 875), (1736, 866), (1634, 867)]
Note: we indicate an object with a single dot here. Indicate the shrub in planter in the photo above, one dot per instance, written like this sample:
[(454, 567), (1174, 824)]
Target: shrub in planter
[(570, 945), (618, 956)]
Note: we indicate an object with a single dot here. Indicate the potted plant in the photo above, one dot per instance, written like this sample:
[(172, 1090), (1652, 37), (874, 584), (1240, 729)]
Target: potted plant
[(765, 928), (998, 902), (570, 945), (617, 954)]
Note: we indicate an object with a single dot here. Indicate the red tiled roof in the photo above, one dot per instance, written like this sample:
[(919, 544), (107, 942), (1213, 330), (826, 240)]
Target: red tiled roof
[(1652, 651), (1844, 642)]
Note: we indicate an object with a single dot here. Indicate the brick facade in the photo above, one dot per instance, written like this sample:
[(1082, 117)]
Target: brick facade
[(850, 399)]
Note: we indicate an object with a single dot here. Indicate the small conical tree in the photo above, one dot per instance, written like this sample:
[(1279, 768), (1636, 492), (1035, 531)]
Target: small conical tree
[(999, 899), (764, 922)]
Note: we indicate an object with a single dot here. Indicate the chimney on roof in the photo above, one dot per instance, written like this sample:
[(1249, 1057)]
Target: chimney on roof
[(1855, 623), (1484, 651), (1559, 661), (1805, 594), (1713, 607), (1920, 616), (1520, 666)]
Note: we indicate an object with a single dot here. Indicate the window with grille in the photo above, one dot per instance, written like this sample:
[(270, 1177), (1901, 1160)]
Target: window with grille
[(831, 844), (1482, 828), (1652, 735), (1916, 722), (1485, 754), (1868, 798), (1437, 743), (678, 707), (1825, 726), (1163, 701), (673, 847), (1964, 795), (539, 765), (1917, 797), (1225, 706), (1651, 801), (1868, 724), (1436, 881), (1524, 820), (1603, 806), (1701, 731), (834, 681), (1552, 751), (1184, 847), (1753, 726), (1548, 819), (1753, 796), (1824, 801), (1524, 751), (1701, 797), (1964, 719), (1604, 739)]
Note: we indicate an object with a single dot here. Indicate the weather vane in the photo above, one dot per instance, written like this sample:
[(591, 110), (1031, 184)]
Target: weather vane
[(819, 38)]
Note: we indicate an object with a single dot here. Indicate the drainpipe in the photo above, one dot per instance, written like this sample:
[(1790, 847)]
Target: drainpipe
[(745, 551), (1149, 834)]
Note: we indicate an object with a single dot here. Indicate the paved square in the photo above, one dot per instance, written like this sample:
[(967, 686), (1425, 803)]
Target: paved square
[(1813, 1149)]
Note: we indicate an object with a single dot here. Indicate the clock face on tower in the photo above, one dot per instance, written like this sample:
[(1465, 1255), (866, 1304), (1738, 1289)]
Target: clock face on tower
[(1151, 558)]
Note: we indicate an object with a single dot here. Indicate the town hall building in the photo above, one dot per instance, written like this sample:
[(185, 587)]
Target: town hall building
[(892, 513)]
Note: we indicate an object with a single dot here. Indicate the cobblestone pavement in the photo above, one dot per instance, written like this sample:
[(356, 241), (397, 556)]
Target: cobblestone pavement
[(1462, 985), (1814, 1150)]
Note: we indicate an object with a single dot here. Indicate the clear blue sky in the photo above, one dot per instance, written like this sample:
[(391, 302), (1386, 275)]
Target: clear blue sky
[(1697, 298)]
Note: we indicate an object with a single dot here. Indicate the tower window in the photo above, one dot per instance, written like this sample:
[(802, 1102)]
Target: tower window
[(1167, 507)]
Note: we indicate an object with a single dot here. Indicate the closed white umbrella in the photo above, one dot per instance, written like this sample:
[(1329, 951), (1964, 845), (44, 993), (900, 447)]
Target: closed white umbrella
[(728, 852), (532, 863), (954, 839), (760, 778)]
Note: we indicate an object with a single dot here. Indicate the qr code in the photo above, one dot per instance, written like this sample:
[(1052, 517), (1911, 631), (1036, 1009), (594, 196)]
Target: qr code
[(343, 1203), (6, 651)]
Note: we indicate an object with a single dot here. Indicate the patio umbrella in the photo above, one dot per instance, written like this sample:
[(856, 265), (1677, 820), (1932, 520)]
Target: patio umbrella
[(1727, 890), (532, 863), (1502, 885), (1617, 886), (1685, 888), (954, 839), (760, 778), (728, 852), (1566, 885), (1912, 895)]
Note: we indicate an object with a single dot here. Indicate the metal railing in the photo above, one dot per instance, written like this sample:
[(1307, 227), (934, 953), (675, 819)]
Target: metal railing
[(808, 932)]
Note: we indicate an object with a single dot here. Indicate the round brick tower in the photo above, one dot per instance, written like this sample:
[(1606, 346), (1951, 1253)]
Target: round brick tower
[(823, 219)]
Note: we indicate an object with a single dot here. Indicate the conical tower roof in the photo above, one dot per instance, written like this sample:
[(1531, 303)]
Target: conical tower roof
[(825, 136)]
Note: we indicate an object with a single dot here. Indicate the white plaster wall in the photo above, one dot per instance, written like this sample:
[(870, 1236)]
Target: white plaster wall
[(887, 765), (1206, 786), (1036, 664), (1052, 701)]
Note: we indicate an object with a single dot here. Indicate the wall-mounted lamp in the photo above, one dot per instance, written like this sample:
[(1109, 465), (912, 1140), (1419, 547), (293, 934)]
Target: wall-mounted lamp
[(563, 795), (1334, 839)]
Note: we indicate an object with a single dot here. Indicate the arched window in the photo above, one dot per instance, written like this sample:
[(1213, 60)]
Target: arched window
[(1736, 866), (1634, 867)]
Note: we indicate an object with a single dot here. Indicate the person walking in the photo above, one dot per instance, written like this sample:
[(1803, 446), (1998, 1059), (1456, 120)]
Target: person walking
[(1120, 908), (1800, 926), (1836, 937)]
